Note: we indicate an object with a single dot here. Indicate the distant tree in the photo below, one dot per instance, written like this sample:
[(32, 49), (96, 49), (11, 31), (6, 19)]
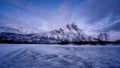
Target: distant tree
[(106, 36), (103, 37), (100, 37), (89, 38)]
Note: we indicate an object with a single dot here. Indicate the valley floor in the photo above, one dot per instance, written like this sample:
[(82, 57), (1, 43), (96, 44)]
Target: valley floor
[(55, 56)]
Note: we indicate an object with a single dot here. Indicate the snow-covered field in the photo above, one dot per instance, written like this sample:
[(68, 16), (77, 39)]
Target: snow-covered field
[(55, 56)]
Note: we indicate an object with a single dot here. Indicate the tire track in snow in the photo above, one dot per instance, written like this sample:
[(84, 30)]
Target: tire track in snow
[(29, 58)]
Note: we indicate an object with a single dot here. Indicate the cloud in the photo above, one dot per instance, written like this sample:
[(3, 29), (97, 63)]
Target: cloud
[(108, 23), (92, 13), (62, 14), (96, 10), (114, 27), (58, 16), (99, 15)]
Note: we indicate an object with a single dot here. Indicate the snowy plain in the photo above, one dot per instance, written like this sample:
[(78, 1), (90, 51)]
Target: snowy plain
[(58, 56)]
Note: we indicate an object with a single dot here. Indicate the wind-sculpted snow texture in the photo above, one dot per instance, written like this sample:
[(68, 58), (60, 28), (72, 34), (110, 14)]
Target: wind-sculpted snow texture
[(36, 56)]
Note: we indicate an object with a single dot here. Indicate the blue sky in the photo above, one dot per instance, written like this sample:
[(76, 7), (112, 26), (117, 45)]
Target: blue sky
[(91, 16)]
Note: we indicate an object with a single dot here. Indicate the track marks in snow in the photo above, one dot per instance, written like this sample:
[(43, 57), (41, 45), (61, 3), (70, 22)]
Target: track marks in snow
[(28, 58), (64, 57)]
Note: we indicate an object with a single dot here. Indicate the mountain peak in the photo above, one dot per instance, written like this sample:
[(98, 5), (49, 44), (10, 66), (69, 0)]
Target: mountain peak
[(73, 26), (71, 33)]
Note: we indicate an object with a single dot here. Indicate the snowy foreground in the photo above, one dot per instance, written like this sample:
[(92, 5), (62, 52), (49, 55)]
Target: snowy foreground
[(54, 56)]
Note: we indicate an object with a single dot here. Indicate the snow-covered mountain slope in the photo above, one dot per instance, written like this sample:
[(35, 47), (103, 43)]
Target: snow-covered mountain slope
[(70, 33), (25, 38), (36, 56), (8, 24)]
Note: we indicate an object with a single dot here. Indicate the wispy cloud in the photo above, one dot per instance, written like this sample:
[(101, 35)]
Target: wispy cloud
[(90, 15), (41, 16), (96, 10)]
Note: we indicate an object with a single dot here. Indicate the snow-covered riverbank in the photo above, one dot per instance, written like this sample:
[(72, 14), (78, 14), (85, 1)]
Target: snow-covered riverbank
[(41, 56)]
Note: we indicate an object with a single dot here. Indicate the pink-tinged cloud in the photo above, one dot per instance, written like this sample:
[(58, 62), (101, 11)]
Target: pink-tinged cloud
[(62, 15), (59, 16)]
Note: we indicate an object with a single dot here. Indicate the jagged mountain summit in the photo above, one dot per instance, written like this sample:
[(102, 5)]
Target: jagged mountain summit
[(70, 33)]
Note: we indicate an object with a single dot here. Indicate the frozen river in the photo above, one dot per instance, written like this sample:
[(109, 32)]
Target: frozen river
[(56, 56)]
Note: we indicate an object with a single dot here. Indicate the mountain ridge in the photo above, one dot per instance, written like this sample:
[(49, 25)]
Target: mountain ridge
[(71, 34)]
